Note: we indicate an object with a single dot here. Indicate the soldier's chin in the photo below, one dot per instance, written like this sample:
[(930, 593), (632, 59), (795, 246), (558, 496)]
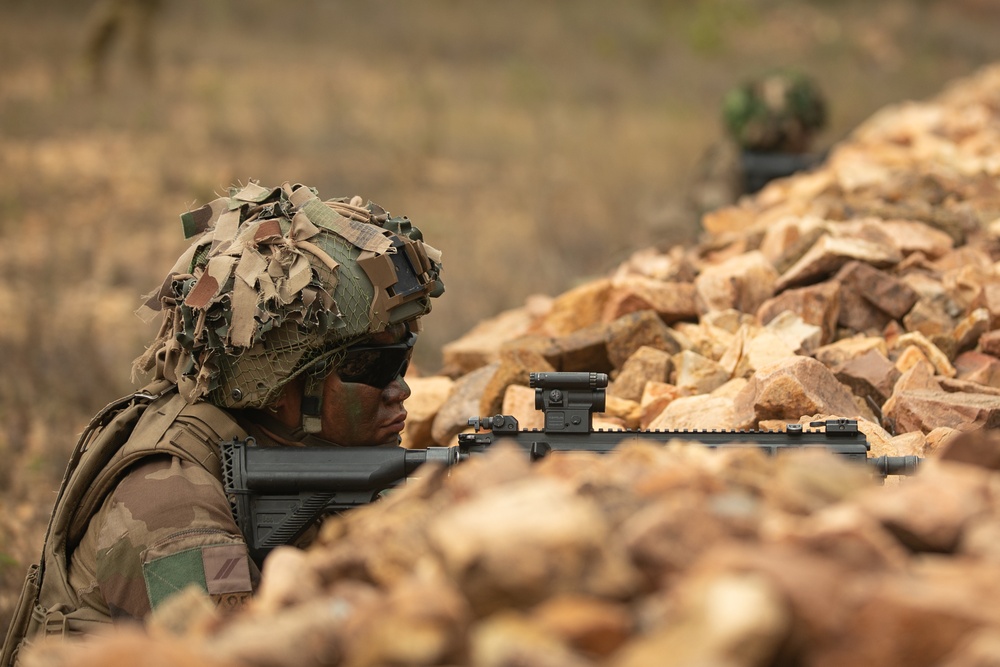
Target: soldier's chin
[(393, 439)]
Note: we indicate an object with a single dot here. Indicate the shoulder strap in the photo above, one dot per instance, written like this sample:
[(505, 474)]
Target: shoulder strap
[(169, 426), (106, 432), (109, 457)]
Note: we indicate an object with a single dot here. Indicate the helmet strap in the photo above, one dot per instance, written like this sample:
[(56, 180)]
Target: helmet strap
[(312, 403)]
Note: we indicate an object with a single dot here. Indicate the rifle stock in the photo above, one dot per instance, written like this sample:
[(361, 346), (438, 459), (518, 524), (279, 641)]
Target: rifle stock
[(277, 493)]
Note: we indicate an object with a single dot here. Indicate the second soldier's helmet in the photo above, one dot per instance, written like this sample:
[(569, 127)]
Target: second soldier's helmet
[(278, 282), (778, 112)]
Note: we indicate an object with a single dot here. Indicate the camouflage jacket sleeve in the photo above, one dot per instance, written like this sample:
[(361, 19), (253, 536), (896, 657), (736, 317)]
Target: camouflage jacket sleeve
[(168, 525)]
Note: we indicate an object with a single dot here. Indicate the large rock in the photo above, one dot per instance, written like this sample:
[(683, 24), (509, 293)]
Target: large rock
[(911, 236), (515, 367), (695, 374), (863, 242), (754, 348), (934, 354), (580, 307), (926, 409), (519, 402), (977, 367), (970, 329), (656, 396), (461, 405), (672, 301), (702, 412), (989, 298), (499, 559), (642, 328), (482, 344), (989, 343), (788, 239), (930, 317), (870, 376), (791, 388), (860, 315), (930, 511), (818, 305), (647, 364), (428, 395), (743, 282), (801, 336), (882, 290), (838, 353), (582, 350)]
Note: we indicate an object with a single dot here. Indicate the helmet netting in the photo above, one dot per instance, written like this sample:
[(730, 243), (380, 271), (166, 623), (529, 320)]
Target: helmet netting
[(271, 287), (255, 377)]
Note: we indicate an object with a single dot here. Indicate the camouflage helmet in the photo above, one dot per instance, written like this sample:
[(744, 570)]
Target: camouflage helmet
[(277, 282), (778, 112)]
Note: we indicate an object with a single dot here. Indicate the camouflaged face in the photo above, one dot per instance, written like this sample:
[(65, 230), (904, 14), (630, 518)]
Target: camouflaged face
[(277, 280), (778, 112)]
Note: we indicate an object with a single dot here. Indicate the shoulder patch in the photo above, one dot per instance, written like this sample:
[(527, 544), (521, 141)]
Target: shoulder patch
[(219, 570), (170, 574), (227, 569)]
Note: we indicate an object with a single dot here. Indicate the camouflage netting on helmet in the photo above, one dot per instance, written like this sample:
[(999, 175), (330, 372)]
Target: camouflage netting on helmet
[(277, 281), (779, 112)]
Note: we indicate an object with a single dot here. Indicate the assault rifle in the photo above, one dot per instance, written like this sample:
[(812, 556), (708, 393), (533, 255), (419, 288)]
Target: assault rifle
[(276, 493)]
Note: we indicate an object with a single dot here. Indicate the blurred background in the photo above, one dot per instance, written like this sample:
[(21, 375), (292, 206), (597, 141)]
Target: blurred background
[(537, 144)]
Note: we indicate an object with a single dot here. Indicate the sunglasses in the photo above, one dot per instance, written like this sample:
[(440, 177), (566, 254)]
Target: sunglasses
[(376, 365)]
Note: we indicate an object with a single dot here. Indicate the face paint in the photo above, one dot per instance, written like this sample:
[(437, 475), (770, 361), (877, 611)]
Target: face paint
[(355, 414), (359, 415)]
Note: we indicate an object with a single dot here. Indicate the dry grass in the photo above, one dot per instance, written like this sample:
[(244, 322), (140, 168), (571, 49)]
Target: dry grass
[(535, 143)]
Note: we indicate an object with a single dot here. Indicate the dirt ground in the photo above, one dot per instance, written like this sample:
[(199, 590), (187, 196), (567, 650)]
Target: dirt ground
[(536, 144)]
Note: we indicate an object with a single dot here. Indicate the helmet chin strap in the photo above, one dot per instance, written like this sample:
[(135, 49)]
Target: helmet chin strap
[(312, 402)]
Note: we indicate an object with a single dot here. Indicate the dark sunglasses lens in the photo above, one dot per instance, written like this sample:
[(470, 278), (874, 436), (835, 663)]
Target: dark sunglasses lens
[(375, 366)]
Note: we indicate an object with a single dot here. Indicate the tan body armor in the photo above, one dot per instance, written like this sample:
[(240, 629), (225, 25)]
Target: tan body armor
[(154, 421)]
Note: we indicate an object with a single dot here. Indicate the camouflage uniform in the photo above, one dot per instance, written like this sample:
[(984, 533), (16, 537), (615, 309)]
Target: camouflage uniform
[(277, 285), (771, 122), (165, 524), (777, 113)]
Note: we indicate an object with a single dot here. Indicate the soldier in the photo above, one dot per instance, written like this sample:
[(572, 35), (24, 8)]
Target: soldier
[(290, 319), (771, 122)]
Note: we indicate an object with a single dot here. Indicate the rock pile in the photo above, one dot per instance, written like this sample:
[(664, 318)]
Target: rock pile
[(869, 289), (649, 555)]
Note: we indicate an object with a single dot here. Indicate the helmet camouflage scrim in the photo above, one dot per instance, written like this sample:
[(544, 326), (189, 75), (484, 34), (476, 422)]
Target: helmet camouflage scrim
[(778, 112), (277, 282)]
